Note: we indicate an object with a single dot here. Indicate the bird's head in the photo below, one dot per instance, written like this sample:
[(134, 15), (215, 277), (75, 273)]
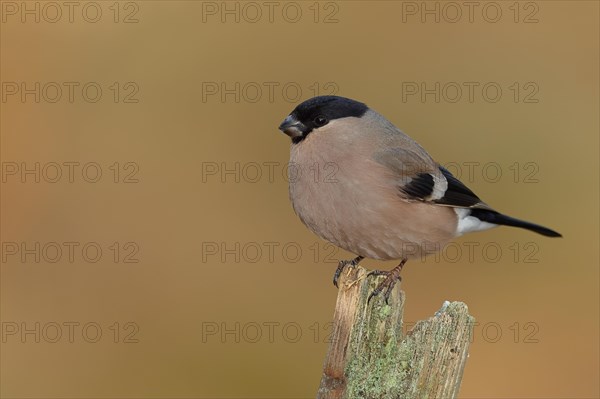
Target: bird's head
[(314, 113)]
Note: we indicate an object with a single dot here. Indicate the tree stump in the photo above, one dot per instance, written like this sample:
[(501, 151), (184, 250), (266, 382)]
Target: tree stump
[(370, 357)]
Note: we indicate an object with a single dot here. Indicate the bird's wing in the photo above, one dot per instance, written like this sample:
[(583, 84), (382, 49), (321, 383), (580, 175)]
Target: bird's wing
[(419, 178), (457, 194), (422, 179)]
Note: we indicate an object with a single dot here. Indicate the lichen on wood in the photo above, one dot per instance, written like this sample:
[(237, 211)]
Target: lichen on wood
[(370, 357)]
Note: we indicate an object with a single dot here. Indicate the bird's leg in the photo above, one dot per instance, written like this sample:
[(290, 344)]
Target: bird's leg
[(343, 263), (388, 284)]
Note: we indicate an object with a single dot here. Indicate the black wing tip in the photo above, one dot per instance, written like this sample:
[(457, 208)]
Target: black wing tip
[(547, 232), (504, 220), (536, 228)]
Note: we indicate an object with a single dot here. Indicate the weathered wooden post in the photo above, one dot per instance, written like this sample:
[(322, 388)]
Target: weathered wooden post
[(370, 357)]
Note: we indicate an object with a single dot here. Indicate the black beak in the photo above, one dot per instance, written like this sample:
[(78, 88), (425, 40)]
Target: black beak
[(292, 127)]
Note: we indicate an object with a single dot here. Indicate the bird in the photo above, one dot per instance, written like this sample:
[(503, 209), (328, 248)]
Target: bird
[(367, 187)]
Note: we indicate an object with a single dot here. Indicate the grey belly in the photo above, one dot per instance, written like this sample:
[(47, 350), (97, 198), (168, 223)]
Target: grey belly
[(370, 220)]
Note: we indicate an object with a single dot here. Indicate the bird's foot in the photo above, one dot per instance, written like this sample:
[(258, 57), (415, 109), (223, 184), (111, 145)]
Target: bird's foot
[(343, 263), (387, 285)]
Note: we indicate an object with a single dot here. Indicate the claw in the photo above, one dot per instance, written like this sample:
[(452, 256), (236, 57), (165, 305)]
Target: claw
[(389, 283), (343, 263), (392, 277)]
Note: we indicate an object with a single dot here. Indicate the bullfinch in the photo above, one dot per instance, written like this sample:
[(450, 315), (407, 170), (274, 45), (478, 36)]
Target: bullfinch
[(365, 186)]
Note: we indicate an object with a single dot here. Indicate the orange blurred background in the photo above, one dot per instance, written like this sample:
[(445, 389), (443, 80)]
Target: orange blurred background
[(148, 245)]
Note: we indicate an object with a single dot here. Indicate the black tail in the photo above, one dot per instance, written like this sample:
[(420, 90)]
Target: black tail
[(498, 218)]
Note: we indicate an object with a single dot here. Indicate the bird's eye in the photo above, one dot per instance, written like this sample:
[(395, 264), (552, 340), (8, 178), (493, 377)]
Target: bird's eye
[(320, 121)]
